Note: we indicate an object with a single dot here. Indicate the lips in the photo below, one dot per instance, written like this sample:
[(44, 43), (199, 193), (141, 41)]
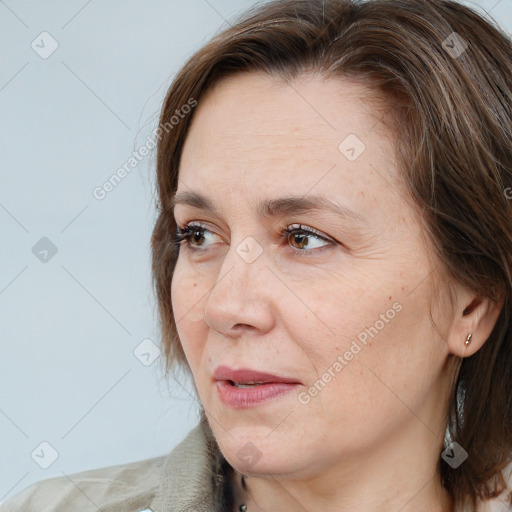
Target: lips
[(244, 388), (248, 376)]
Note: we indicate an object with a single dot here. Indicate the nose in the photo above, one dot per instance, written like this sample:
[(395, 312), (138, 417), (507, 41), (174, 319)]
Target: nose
[(241, 299)]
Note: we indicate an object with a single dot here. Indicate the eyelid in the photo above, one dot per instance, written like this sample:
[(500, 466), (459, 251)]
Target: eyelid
[(197, 223), (307, 229)]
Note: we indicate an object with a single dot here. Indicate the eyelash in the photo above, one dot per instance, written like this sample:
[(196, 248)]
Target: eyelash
[(183, 235)]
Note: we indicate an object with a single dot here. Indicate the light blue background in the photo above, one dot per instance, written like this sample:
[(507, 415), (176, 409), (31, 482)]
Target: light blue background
[(68, 327)]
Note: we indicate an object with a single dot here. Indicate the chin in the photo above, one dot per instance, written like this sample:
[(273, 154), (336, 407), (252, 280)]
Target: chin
[(253, 452)]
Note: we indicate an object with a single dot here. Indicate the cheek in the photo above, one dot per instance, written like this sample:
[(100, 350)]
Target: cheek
[(380, 366), (356, 323), (338, 309), (187, 295)]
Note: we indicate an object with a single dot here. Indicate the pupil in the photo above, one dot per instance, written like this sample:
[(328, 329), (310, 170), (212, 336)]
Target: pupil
[(302, 240), (197, 236)]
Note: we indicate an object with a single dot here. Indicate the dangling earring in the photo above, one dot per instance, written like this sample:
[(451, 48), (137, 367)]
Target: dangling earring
[(468, 340)]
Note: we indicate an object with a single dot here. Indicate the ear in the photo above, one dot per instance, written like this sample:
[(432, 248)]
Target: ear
[(476, 315)]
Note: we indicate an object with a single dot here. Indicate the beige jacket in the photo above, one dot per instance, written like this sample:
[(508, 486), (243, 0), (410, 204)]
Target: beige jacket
[(179, 482)]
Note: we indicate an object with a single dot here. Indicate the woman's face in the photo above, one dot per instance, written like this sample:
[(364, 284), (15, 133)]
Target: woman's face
[(342, 311)]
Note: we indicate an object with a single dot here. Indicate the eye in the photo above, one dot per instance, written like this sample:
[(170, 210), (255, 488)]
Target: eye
[(301, 238), (193, 235), (306, 239)]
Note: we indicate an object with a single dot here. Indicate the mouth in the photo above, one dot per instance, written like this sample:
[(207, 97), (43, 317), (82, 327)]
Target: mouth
[(246, 388), (245, 377), (246, 384)]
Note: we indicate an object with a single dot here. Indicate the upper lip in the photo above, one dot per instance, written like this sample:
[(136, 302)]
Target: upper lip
[(244, 375)]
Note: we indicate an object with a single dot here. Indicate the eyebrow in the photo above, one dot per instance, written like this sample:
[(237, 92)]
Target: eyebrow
[(273, 207)]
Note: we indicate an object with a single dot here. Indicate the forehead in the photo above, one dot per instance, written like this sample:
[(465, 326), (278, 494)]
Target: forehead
[(311, 110), (253, 133)]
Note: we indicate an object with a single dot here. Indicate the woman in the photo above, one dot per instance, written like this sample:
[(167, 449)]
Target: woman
[(332, 260)]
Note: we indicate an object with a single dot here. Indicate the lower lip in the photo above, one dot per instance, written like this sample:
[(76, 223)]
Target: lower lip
[(241, 398)]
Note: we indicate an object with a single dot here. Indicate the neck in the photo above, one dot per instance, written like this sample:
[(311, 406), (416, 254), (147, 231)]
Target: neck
[(432, 499)]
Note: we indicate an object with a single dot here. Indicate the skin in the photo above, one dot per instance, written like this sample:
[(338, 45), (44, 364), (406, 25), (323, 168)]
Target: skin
[(372, 437)]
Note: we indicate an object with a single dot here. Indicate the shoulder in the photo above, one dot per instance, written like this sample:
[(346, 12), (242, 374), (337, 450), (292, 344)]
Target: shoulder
[(185, 479), (125, 487)]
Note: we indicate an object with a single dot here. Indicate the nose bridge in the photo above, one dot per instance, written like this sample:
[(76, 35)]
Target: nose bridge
[(240, 271), (243, 262), (238, 296)]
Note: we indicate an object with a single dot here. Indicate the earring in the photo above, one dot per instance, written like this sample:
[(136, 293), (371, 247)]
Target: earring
[(468, 340)]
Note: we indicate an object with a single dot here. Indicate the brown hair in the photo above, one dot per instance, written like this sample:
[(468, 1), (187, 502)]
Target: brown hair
[(447, 74)]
